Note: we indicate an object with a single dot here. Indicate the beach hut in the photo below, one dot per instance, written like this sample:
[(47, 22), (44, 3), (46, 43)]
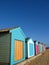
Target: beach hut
[(36, 47), (29, 48), (44, 47), (12, 45), (40, 47)]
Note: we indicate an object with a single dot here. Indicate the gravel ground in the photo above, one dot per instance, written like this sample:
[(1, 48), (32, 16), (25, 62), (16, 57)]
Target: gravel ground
[(41, 59)]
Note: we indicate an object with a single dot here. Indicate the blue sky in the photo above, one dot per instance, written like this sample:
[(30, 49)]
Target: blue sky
[(31, 15)]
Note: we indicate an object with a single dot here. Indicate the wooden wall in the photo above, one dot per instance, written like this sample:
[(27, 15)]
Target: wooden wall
[(4, 47)]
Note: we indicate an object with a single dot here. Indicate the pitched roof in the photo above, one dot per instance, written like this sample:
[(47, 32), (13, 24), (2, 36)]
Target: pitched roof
[(7, 29)]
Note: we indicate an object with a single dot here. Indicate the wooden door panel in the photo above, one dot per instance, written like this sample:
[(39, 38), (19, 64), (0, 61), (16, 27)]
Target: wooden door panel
[(18, 53)]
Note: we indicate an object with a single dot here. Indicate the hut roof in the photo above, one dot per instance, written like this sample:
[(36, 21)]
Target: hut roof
[(27, 38), (7, 29), (35, 41)]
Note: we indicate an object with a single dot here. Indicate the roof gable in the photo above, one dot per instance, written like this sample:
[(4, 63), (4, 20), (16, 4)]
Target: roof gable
[(29, 40), (18, 30), (7, 29)]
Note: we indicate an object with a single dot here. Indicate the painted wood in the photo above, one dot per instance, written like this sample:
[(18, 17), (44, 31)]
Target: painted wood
[(12, 52), (17, 34), (5, 47), (40, 48), (18, 50), (30, 48), (43, 47), (36, 47)]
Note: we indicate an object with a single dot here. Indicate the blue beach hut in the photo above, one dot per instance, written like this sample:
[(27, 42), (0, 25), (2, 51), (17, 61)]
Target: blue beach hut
[(29, 48), (12, 46)]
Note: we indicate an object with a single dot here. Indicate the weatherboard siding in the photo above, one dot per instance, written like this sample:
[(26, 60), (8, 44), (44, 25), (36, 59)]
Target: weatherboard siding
[(18, 53), (30, 47), (37, 48), (40, 48), (17, 34), (4, 47)]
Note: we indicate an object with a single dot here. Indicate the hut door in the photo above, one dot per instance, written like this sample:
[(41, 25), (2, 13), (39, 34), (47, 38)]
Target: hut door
[(37, 50), (31, 49), (18, 53)]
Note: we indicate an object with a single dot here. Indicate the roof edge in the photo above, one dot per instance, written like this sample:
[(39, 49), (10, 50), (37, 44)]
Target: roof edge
[(7, 29)]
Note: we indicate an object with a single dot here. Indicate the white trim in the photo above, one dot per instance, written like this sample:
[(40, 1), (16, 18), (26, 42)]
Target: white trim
[(30, 42)]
